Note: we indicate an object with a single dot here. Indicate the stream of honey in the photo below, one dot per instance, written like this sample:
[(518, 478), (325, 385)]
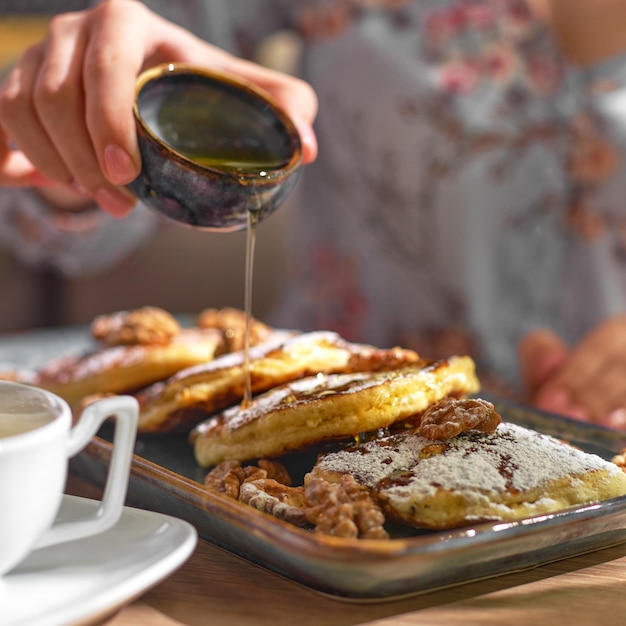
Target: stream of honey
[(253, 219)]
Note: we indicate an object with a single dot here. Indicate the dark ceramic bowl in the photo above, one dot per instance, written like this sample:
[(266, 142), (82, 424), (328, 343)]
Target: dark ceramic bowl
[(213, 148)]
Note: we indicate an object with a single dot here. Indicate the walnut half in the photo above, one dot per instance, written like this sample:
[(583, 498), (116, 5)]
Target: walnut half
[(451, 417), (265, 487), (232, 323), (144, 326)]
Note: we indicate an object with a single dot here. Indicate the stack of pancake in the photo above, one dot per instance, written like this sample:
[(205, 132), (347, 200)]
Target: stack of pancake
[(364, 409)]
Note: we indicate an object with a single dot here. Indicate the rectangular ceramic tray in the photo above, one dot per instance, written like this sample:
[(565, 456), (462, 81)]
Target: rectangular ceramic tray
[(166, 478)]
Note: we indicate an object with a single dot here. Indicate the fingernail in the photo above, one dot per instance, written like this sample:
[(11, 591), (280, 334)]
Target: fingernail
[(114, 202), (615, 419), (121, 169)]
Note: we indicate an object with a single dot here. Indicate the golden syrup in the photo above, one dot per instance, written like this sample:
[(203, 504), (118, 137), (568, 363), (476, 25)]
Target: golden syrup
[(253, 219), (248, 162), (216, 129)]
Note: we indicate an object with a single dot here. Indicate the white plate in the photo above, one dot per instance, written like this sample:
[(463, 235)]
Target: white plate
[(84, 580)]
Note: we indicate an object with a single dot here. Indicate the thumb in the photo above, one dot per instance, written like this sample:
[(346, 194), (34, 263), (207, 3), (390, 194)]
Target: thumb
[(308, 139), (541, 353), (15, 169)]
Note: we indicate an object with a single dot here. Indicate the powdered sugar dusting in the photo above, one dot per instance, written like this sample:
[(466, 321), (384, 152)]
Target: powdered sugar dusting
[(511, 458), (302, 391)]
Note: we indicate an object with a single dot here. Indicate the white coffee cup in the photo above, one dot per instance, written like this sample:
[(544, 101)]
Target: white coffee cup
[(36, 441)]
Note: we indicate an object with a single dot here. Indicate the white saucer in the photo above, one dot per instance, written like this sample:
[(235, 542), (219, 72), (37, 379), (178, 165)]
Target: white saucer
[(85, 580)]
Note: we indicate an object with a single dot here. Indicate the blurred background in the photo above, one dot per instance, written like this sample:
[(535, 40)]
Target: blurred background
[(178, 269)]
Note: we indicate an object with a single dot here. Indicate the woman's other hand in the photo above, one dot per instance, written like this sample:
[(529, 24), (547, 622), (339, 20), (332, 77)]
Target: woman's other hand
[(586, 382)]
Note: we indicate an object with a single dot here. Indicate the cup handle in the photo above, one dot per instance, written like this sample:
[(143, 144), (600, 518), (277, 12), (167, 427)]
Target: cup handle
[(125, 410)]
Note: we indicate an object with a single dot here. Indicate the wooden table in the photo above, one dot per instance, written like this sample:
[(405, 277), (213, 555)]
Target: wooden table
[(216, 587)]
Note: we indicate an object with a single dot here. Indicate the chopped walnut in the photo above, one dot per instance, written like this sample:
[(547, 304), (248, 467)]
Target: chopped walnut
[(275, 470), (344, 509), (271, 496), (227, 477), (144, 326), (232, 323), (450, 417), (620, 460)]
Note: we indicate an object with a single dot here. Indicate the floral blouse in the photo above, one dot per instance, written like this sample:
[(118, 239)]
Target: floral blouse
[(470, 184)]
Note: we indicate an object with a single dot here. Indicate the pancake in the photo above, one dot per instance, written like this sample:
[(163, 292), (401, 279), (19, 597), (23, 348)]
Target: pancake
[(314, 409), (139, 347), (192, 395), (511, 474), (126, 368)]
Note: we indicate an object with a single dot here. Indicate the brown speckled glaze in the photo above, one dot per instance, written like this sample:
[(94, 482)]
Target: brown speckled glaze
[(204, 197)]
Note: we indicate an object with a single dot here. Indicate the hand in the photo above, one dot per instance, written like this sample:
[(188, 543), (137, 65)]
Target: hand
[(586, 382), (588, 32), (67, 104)]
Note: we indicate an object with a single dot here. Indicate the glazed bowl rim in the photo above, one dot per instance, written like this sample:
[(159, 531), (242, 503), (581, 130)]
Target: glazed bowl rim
[(165, 69)]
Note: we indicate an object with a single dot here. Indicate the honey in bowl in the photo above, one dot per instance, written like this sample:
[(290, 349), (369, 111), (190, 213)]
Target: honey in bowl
[(218, 130), (213, 148)]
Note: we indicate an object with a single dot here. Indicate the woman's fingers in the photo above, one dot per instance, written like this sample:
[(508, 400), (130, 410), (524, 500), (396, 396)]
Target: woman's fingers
[(299, 102), (47, 105), (589, 383), (117, 42), (541, 354), (42, 108), (596, 371), (21, 121), (59, 101), (543, 357), (15, 169), (605, 392), (295, 96)]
